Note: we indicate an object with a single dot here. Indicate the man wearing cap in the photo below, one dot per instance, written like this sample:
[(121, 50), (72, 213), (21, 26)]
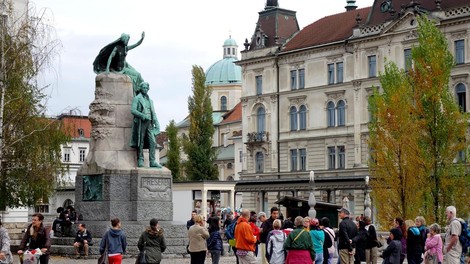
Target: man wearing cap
[(266, 227), (347, 231)]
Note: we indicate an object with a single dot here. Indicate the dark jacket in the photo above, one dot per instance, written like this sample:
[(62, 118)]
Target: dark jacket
[(214, 242), (116, 240), (267, 227), (360, 242), (153, 242), (347, 231), (42, 239), (189, 223), (414, 241), (372, 240), (391, 254), (81, 236)]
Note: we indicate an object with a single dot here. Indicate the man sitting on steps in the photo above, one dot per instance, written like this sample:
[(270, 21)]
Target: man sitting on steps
[(82, 241)]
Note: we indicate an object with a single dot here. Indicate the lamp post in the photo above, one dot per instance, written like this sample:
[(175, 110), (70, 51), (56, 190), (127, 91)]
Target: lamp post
[(311, 199), (367, 202)]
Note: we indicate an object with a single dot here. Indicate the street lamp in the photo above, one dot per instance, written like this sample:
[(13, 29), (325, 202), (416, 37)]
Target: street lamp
[(311, 199), (367, 202)]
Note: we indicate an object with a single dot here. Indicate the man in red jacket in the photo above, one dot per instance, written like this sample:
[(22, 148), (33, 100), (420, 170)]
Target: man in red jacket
[(245, 240)]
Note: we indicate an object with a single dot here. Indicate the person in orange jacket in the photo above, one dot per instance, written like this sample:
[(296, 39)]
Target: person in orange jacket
[(245, 240)]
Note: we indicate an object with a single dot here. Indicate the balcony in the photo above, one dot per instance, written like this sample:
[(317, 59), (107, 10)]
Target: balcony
[(257, 140), (257, 137)]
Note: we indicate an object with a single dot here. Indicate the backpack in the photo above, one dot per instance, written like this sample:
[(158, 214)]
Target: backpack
[(230, 231), (464, 237)]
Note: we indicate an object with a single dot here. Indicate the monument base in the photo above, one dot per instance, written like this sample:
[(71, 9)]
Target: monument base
[(135, 195)]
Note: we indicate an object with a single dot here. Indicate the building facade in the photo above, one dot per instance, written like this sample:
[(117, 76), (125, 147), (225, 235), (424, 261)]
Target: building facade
[(305, 99)]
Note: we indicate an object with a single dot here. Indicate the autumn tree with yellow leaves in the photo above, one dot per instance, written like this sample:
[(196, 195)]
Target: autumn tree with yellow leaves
[(416, 134)]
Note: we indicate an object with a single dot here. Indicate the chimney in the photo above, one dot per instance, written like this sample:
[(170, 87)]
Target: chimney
[(351, 5)]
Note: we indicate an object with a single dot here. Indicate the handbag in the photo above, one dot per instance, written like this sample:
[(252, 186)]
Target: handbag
[(103, 259), (141, 258)]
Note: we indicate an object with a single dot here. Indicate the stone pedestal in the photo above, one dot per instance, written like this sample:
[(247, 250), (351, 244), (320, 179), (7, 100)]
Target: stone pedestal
[(109, 184)]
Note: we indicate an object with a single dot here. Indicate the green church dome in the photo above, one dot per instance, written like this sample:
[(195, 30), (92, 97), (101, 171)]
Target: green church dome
[(225, 71)]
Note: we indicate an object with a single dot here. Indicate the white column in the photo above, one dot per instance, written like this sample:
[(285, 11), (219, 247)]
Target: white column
[(204, 202)]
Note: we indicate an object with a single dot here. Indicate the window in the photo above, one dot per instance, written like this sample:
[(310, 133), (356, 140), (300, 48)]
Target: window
[(293, 118), (341, 157), (408, 59), (297, 79), (259, 162), (303, 159), (341, 109), (372, 66), (330, 114), (259, 85), (303, 117), (66, 154), (460, 51), (223, 103), (261, 115), (298, 159), (336, 157), (301, 78), (82, 156), (293, 79), (331, 73), (339, 72), (229, 166), (461, 96), (293, 159), (240, 156), (81, 132), (331, 158)]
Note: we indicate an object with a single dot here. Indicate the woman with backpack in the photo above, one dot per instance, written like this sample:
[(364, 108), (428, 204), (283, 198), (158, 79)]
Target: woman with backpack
[(330, 235), (153, 242), (214, 242), (372, 243), (275, 253)]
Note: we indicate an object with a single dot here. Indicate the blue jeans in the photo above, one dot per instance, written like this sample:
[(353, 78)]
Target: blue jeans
[(215, 255), (319, 258)]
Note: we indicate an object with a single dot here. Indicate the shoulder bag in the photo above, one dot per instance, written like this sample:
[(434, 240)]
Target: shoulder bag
[(141, 258), (103, 259)]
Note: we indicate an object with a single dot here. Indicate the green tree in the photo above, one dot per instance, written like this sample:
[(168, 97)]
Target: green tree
[(173, 154), (198, 144), (30, 153), (442, 124), (416, 134)]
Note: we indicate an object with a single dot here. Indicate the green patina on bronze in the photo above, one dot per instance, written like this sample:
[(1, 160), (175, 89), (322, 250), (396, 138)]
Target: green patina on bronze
[(113, 58), (93, 188), (145, 126)]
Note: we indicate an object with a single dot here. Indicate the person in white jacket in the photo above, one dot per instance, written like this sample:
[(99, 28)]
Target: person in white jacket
[(275, 252)]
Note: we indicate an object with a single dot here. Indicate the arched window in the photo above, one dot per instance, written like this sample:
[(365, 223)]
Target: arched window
[(259, 162), (461, 92), (303, 117), (223, 103), (330, 114), (293, 118), (260, 118), (341, 108)]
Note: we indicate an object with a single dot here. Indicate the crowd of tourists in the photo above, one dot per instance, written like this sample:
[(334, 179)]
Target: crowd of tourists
[(256, 238)]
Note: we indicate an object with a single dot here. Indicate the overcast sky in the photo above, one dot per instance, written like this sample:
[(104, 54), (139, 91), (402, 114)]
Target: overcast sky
[(178, 34)]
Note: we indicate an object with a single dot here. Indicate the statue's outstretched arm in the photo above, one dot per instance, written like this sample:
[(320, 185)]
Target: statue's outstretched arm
[(138, 42), (110, 59)]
